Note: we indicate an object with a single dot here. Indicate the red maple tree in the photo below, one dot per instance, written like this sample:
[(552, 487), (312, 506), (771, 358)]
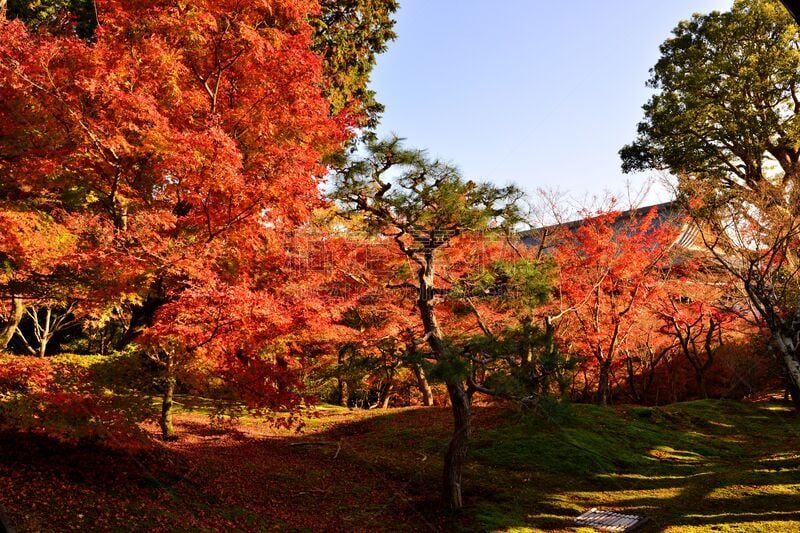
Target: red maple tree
[(179, 145), (608, 266)]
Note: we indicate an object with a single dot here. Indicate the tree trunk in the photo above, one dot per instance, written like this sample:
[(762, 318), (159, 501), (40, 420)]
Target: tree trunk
[(456, 453), (387, 396), (701, 383), (788, 352), (167, 429), (457, 449), (636, 396), (344, 394), (142, 316), (793, 393), (10, 327), (46, 332), (424, 386), (673, 386), (603, 387)]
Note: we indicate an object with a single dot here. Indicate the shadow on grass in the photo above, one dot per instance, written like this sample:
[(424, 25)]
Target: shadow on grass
[(694, 464), (710, 464)]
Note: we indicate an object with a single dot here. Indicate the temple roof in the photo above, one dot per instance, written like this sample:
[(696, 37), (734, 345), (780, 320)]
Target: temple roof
[(671, 213)]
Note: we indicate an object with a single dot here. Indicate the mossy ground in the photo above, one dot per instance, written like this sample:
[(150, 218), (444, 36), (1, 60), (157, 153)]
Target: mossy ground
[(697, 466), (707, 465)]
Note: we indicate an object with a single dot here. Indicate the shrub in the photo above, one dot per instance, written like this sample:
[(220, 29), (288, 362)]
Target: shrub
[(74, 398)]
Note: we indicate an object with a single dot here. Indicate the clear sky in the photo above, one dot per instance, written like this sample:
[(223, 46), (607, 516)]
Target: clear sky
[(541, 93)]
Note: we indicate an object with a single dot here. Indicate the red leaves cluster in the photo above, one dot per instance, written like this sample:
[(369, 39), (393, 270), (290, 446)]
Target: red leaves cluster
[(64, 399), (175, 151), (608, 267), (645, 318), (25, 375)]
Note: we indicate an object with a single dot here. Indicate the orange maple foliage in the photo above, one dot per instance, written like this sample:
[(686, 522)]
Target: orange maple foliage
[(608, 267), (178, 146)]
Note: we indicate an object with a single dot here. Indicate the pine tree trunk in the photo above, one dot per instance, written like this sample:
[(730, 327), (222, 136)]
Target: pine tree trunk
[(788, 352), (167, 429), (456, 453), (10, 327), (457, 449), (424, 386)]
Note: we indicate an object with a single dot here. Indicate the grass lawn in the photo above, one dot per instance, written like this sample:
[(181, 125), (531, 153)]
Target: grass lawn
[(697, 466)]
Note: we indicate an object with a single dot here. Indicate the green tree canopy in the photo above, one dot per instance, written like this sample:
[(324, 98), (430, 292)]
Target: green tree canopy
[(73, 16), (727, 100), (349, 35), (402, 191)]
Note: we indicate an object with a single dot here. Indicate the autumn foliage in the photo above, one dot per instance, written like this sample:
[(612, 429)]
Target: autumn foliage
[(161, 163), (161, 178), (196, 213), (648, 320), (73, 398)]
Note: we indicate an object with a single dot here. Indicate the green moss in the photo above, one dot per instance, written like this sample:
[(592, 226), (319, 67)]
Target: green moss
[(685, 466)]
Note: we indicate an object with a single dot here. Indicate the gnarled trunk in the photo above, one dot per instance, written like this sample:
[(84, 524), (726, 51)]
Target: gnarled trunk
[(788, 353), (14, 318), (386, 396), (456, 453), (785, 333)]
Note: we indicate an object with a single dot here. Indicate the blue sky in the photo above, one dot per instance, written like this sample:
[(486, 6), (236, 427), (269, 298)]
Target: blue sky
[(534, 92)]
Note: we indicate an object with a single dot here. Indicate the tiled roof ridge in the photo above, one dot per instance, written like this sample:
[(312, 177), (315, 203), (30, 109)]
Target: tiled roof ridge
[(662, 208)]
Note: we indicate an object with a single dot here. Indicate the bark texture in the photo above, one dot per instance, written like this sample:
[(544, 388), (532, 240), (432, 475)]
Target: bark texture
[(14, 318), (167, 429), (424, 385), (459, 400), (456, 453)]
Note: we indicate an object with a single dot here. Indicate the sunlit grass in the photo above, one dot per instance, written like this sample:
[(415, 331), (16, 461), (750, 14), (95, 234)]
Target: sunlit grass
[(699, 466), (740, 492), (647, 477), (728, 523), (789, 456), (665, 453), (620, 496)]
